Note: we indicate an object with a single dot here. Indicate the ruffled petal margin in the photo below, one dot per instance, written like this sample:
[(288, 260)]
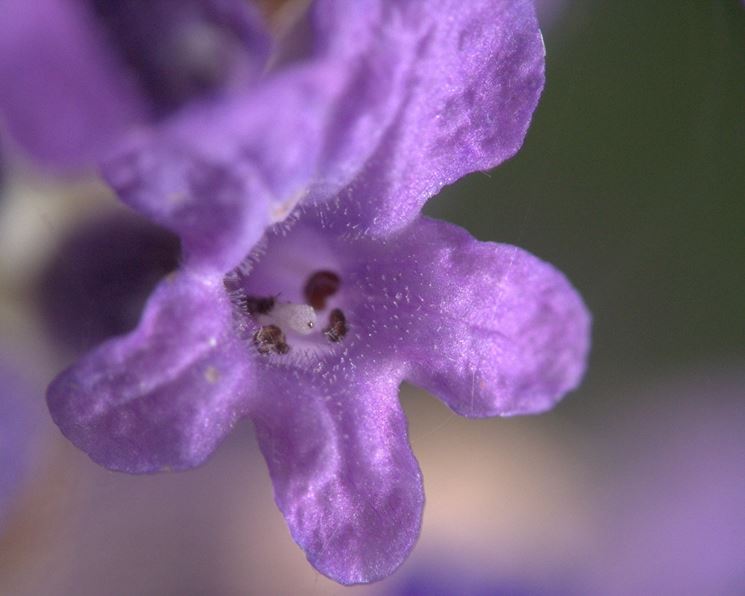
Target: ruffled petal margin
[(491, 329), (343, 472), (163, 396), (394, 100), (465, 105), (217, 174)]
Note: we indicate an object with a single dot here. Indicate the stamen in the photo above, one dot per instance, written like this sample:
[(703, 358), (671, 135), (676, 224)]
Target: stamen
[(337, 328), (271, 339), (301, 318), (319, 287)]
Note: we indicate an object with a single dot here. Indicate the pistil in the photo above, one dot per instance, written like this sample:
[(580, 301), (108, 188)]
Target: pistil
[(299, 318)]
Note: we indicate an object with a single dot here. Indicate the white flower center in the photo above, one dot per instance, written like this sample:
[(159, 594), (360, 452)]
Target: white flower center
[(299, 318)]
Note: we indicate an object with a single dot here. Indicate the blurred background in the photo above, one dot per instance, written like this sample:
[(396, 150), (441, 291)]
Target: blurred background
[(631, 181)]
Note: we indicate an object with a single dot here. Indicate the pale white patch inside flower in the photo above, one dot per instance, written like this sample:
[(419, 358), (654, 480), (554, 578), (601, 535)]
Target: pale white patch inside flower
[(299, 318)]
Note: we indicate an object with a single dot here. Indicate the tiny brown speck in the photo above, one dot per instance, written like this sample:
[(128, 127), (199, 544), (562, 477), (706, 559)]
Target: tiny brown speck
[(211, 374)]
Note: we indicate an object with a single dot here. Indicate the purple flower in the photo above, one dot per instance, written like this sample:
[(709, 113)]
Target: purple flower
[(308, 327), (441, 577), (101, 275), (671, 487), (16, 432), (80, 75)]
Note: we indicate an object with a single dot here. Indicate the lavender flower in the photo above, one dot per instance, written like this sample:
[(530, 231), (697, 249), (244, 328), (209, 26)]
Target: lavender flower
[(17, 431), (98, 281), (79, 76), (443, 578), (309, 326), (673, 488)]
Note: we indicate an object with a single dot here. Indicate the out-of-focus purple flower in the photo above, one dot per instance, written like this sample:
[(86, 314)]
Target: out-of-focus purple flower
[(310, 326), (435, 583), (445, 577), (100, 278), (16, 432), (80, 74), (674, 490)]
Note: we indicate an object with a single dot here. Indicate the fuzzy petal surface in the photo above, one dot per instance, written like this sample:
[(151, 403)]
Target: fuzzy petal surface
[(343, 472), (302, 132), (163, 396), (392, 100), (488, 328), (466, 103), (219, 212)]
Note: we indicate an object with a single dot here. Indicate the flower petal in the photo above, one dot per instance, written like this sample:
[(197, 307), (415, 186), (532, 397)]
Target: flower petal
[(491, 329), (218, 211), (343, 472), (164, 395), (84, 74), (467, 103), (61, 99), (302, 132), (392, 101)]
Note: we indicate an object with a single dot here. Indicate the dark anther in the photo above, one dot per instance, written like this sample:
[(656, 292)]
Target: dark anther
[(337, 328), (271, 339), (255, 305), (320, 286)]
